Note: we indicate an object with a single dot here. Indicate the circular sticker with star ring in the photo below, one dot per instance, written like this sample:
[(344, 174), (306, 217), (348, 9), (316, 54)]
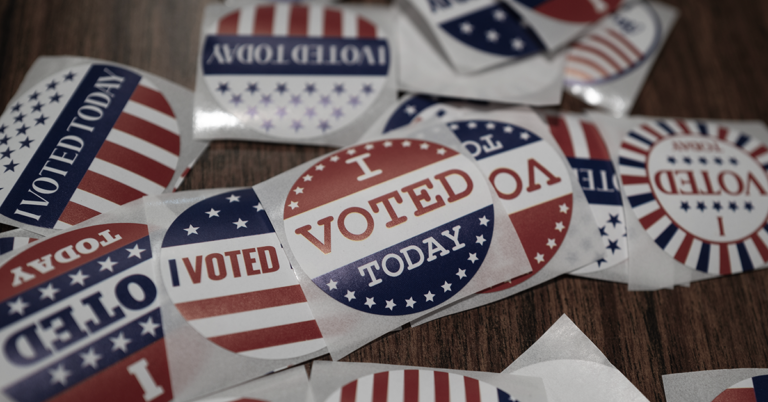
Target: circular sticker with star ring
[(82, 142), (700, 191), (295, 70), (226, 272), (530, 179), (390, 227)]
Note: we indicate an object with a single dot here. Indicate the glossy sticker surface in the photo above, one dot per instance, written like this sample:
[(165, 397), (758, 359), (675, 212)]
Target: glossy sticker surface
[(753, 389), (572, 10), (617, 46), (80, 319), (700, 191), (295, 70), (83, 142), (390, 227), (588, 156), (226, 272), (418, 385), (534, 186)]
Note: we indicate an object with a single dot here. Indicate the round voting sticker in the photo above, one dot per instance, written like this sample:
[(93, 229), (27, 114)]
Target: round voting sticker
[(295, 70), (531, 181), (495, 29), (700, 191), (418, 385), (83, 142), (620, 44), (579, 11), (226, 272), (390, 227), (753, 389), (80, 318)]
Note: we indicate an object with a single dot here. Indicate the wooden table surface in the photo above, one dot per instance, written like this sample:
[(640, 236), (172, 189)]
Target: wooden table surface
[(713, 65)]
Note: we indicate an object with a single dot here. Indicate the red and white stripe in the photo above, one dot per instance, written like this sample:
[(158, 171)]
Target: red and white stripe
[(296, 20), (578, 138), (743, 391), (600, 55), (415, 386), (183, 175), (138, 158)]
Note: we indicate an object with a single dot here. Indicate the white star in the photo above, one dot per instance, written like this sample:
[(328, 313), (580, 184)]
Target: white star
[(559, 227), (480, 239), (59, 374), (525, 136), (351, 151), (424, 145), (320, 167), (135, 251), (233, 198), (350, 295), (48, 292), (473, 257), (466, 28), (258, 207), (191, 230), (551, 243), (429, 296), (472, 125), (107, 265), (539, 258), (331, 284), (564, 208), (17, 306), (406, 144), (441, 151), (213, 212), (148, 327), (484, 221), (454, 126), (334, 158), (120, 342), (368, 147), (499, 15), (298, 190), (387, 144), (369, 302), (240, 223), (307, 178), (517, 44), (293, 205), (410, 110), (462, 273), (410, 302), (90, 358), (446, 287), (78, 278), (491, 35), (508, 129), (391, 305), (490, 126)]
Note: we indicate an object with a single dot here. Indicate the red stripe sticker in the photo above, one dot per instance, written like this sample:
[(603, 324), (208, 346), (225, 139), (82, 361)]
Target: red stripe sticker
[(263, 21), (442, 387), (108, 189), (380, 382), (153, 99), (75, 213), (725, 261), (242, 302), (332, 24), (560, 132), (599, 53), (228, 24), (411, 386), (365, 30), (268, 337), (148, 132), (298, 24), (472, 389), (135, 162), (597, 149)]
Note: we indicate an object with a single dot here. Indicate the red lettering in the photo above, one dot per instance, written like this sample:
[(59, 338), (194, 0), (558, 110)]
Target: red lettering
[(384, 199), (708, 184), (270, 265), (691, 181), (752, 179), (670, 179), (343, 226), (532, 185), (325, 246), (212, 268), (739, 183), (452, 196), (423, 196), (233, 259), (518, 183), (249, 270), (196, 270)]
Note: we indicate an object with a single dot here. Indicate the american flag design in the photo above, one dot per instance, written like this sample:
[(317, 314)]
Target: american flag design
[(80, 319), (583, 145), (495, 29), (227, 273), (8, 244), (390, 227), (532, 183), (295, 70), (83, 142), (618, 45), (418, 385), (579, 11), (700, 190), (753, 389)]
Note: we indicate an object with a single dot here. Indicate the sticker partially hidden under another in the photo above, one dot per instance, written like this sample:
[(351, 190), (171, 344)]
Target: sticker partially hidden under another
[(753, 389), (390, 227), (226, 272)]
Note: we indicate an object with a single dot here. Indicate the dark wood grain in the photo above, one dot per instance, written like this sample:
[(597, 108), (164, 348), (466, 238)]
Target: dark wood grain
[(714, 65)]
